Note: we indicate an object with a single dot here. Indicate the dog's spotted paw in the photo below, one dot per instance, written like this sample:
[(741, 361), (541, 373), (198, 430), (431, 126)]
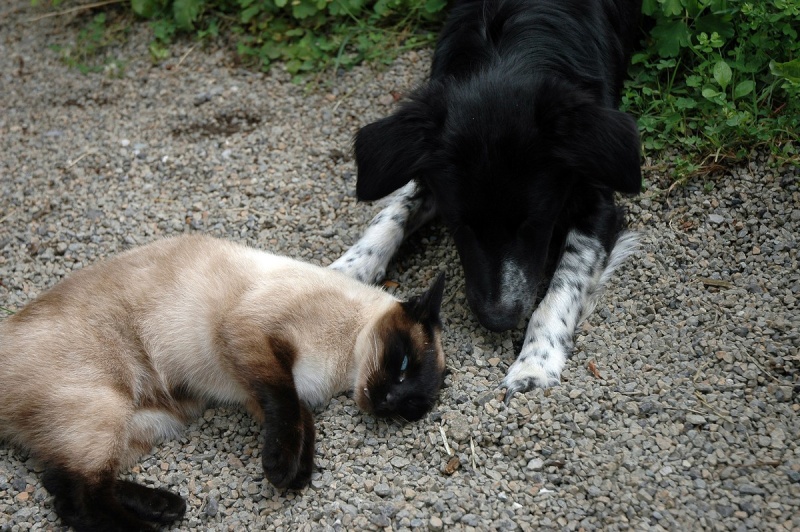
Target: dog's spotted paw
[(535, 368), (361, 266)]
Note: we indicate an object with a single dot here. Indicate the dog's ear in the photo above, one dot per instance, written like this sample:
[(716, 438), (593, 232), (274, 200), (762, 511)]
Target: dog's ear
[(601, 144), (396, 149)]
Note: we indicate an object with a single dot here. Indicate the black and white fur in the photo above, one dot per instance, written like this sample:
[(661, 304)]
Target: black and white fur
[(517, 144)]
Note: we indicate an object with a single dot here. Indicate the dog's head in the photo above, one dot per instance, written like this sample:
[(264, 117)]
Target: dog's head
[(504, 163)]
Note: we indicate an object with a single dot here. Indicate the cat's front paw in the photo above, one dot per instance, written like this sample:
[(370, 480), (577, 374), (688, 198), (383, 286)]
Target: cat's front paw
[(538, 366), (288, 458), (282, 462)]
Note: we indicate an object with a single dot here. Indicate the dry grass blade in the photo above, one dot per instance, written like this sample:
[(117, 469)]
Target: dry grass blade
[(444, 440), (715, 282), (76, 9)]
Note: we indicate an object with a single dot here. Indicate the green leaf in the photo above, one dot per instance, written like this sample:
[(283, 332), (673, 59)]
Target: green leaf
[(649, 7), (789, 70), (248, 13), (713, 95), (744, 88), (694, 80), (670, 37), (434, 6), (303, 9), (723, 74), (280, 3), (186, 12), (672, 7), (144, 8), (381, 7)]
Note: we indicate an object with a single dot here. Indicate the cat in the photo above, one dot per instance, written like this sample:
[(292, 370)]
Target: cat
[(123, 353)]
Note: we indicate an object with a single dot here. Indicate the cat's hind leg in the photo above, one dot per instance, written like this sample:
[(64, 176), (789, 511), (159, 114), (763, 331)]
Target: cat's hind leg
[(104, 503), (152, 504), (84, 452)]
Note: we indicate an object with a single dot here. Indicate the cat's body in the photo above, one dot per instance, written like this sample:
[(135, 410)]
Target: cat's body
[(123, 353)]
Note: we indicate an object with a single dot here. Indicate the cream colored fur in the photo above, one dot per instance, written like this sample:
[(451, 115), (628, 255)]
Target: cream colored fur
[(151, 322)]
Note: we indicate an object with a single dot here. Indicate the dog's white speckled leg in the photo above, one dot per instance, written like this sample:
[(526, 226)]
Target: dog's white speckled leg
[(577, 283), (368, 258)]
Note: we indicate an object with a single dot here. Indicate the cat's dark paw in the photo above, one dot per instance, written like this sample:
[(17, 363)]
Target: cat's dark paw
[(288, 459), (109, 504), (281, 461), (306, 466), (151, 504)]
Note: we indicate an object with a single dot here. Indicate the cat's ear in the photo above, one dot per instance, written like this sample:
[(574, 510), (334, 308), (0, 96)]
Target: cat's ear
[(425, 307)]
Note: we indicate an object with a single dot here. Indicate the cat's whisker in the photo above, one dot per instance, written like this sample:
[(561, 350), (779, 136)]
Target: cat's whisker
[(399, 418), (375, 356)]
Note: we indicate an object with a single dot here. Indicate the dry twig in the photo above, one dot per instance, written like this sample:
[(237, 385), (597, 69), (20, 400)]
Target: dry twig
[(76, 9)]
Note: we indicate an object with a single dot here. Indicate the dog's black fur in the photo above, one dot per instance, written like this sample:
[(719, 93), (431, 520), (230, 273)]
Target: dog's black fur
[(517, 138)]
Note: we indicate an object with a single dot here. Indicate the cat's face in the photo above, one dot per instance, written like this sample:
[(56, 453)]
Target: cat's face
[(404, 374)]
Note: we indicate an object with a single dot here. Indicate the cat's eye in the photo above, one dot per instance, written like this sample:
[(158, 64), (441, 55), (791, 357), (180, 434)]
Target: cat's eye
[(404, 365)]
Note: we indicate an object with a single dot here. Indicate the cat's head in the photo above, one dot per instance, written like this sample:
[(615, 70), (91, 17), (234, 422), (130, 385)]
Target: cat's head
[(404, 367)]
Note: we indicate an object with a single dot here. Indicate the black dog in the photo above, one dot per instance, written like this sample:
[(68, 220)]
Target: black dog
[(517, 143)]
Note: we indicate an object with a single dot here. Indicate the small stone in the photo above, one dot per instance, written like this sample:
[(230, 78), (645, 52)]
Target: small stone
[(695, 419), (494, 361), (212, 507), (470, 519), (535, 464), (399, 462), (783, 393), (716, 218), (436, 523), (452, 465), (749, 489), (382, 490), (380, 520)]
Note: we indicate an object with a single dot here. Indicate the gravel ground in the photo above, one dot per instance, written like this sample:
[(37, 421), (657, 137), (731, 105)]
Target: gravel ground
[(678, 409)]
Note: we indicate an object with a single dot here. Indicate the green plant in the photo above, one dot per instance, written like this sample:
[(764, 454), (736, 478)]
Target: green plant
[(92, 44), (307, 35), (719, 78), (715, 79)]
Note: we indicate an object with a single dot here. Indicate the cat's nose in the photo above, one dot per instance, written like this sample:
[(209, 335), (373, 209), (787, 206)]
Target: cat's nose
[(390, 397)]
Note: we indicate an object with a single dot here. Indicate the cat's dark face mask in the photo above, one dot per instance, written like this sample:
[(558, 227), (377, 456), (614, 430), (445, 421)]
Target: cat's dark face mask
[(405, 382)]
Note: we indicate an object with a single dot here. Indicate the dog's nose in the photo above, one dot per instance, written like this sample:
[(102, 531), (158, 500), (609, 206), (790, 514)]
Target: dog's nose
[(497, 317)]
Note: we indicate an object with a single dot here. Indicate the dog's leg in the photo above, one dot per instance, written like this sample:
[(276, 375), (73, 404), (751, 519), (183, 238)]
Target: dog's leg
[(407, 211), (577, 283)]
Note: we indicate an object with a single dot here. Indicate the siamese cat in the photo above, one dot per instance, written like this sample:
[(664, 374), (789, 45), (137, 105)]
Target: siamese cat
[(122, 354)]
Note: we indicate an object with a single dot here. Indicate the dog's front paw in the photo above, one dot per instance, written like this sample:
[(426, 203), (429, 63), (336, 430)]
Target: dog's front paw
[(361, 265), (536, 367)]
